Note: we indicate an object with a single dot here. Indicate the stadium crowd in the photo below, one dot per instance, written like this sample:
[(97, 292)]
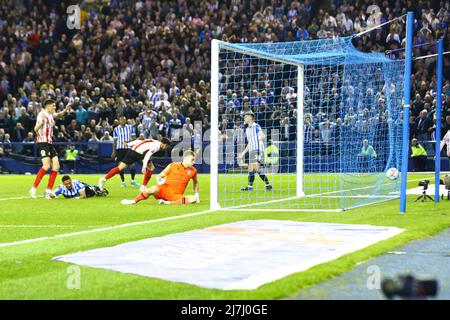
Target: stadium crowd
[(150, 61)]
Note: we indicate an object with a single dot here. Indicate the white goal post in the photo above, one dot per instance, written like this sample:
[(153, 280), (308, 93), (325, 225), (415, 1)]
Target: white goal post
[(283, 84)]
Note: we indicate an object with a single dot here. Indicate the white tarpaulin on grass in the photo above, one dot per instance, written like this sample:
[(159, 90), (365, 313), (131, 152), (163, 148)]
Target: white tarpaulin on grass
[(429, 191), (239, 255)]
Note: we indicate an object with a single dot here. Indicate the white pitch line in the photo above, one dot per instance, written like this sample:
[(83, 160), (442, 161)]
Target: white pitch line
[(12, 226), (9, 244), (17, 198)]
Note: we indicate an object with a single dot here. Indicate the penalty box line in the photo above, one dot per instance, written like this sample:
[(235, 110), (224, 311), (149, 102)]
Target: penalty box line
[(120, 226), (18, 198)]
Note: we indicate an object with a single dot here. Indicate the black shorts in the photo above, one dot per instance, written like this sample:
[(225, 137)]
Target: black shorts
[(47, 150), (133, 157), (120, 154), (94, 191)]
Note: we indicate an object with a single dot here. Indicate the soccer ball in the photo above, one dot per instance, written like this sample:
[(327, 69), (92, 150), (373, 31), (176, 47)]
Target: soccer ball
[(392, 173)]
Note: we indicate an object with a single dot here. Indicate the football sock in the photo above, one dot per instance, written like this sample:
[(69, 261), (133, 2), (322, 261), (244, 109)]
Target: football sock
[(251, 178), (182, 200), (39, 176), (51, 180), (141, 197), (264, 178), (113, 172), (147, 176)]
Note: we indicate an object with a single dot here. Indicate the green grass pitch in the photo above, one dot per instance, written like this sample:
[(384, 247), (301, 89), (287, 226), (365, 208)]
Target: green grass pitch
[(27, 271)]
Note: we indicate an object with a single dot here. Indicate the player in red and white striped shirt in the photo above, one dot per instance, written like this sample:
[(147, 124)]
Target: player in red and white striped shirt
[(446, 141), (141, 151), (44, 135)]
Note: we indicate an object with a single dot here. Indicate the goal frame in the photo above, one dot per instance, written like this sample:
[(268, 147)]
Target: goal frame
[(216, 47), (214, 143)]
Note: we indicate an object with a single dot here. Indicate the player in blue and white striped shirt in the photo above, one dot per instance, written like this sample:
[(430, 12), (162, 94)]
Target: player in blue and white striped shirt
[(77, 189), (122, 134), (255, 147)]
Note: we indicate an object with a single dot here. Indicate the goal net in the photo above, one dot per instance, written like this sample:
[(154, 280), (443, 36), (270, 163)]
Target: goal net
[(309, 125)]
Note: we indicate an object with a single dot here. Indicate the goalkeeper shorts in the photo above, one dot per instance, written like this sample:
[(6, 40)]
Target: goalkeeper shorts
[(167, 193)]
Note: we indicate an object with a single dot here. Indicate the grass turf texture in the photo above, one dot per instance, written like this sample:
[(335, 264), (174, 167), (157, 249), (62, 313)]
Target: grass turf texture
[(324, 191), (27, 271)]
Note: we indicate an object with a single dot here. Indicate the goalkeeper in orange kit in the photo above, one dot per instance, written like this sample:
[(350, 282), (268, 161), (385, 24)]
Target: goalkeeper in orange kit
[(172, 183)]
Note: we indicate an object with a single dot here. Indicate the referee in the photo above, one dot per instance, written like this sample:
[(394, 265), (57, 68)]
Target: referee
[(122, 134)]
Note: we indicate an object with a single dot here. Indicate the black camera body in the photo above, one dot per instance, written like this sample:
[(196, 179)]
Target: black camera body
[(408, 287), (424, 184), (424, 196)]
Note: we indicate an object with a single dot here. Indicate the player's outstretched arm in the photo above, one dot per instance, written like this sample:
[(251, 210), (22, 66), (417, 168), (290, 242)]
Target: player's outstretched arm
[(162, 176), (82, 193), (67, 109), (56, 193)]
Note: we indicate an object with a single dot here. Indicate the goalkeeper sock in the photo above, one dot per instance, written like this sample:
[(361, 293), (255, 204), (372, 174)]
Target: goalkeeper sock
[(264, 178), (183, 200), (113, 172), (147, 176), (251, 179), (142, 196)]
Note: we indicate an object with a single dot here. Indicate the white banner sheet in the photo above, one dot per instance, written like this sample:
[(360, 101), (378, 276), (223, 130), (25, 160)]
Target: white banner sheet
[(429, 191), (239, 255)]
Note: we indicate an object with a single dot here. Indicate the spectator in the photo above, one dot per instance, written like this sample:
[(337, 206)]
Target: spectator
[(107, 138), (326, 130), (447, 124), (419, 156), (367, 157), (18, 133), (7, 145), (424, 124), (28, 144), (82, 115), (175, 127), (71, 157), (92, 148)]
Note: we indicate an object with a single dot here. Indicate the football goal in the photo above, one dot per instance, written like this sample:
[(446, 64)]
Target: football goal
[(307, 125)]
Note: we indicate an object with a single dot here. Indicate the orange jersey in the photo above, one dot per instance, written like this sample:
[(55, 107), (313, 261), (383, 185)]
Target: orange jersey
[(178, 177)]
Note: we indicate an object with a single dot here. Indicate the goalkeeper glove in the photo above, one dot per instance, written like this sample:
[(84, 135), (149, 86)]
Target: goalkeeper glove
[(161, 181), (197, 197)]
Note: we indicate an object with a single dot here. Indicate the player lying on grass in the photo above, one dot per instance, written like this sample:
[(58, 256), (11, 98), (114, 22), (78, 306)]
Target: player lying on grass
[(141, 151), (172, 183), (76, 189)]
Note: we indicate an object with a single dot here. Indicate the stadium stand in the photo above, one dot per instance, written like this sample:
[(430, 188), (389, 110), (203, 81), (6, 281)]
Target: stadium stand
[(150, 61)]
